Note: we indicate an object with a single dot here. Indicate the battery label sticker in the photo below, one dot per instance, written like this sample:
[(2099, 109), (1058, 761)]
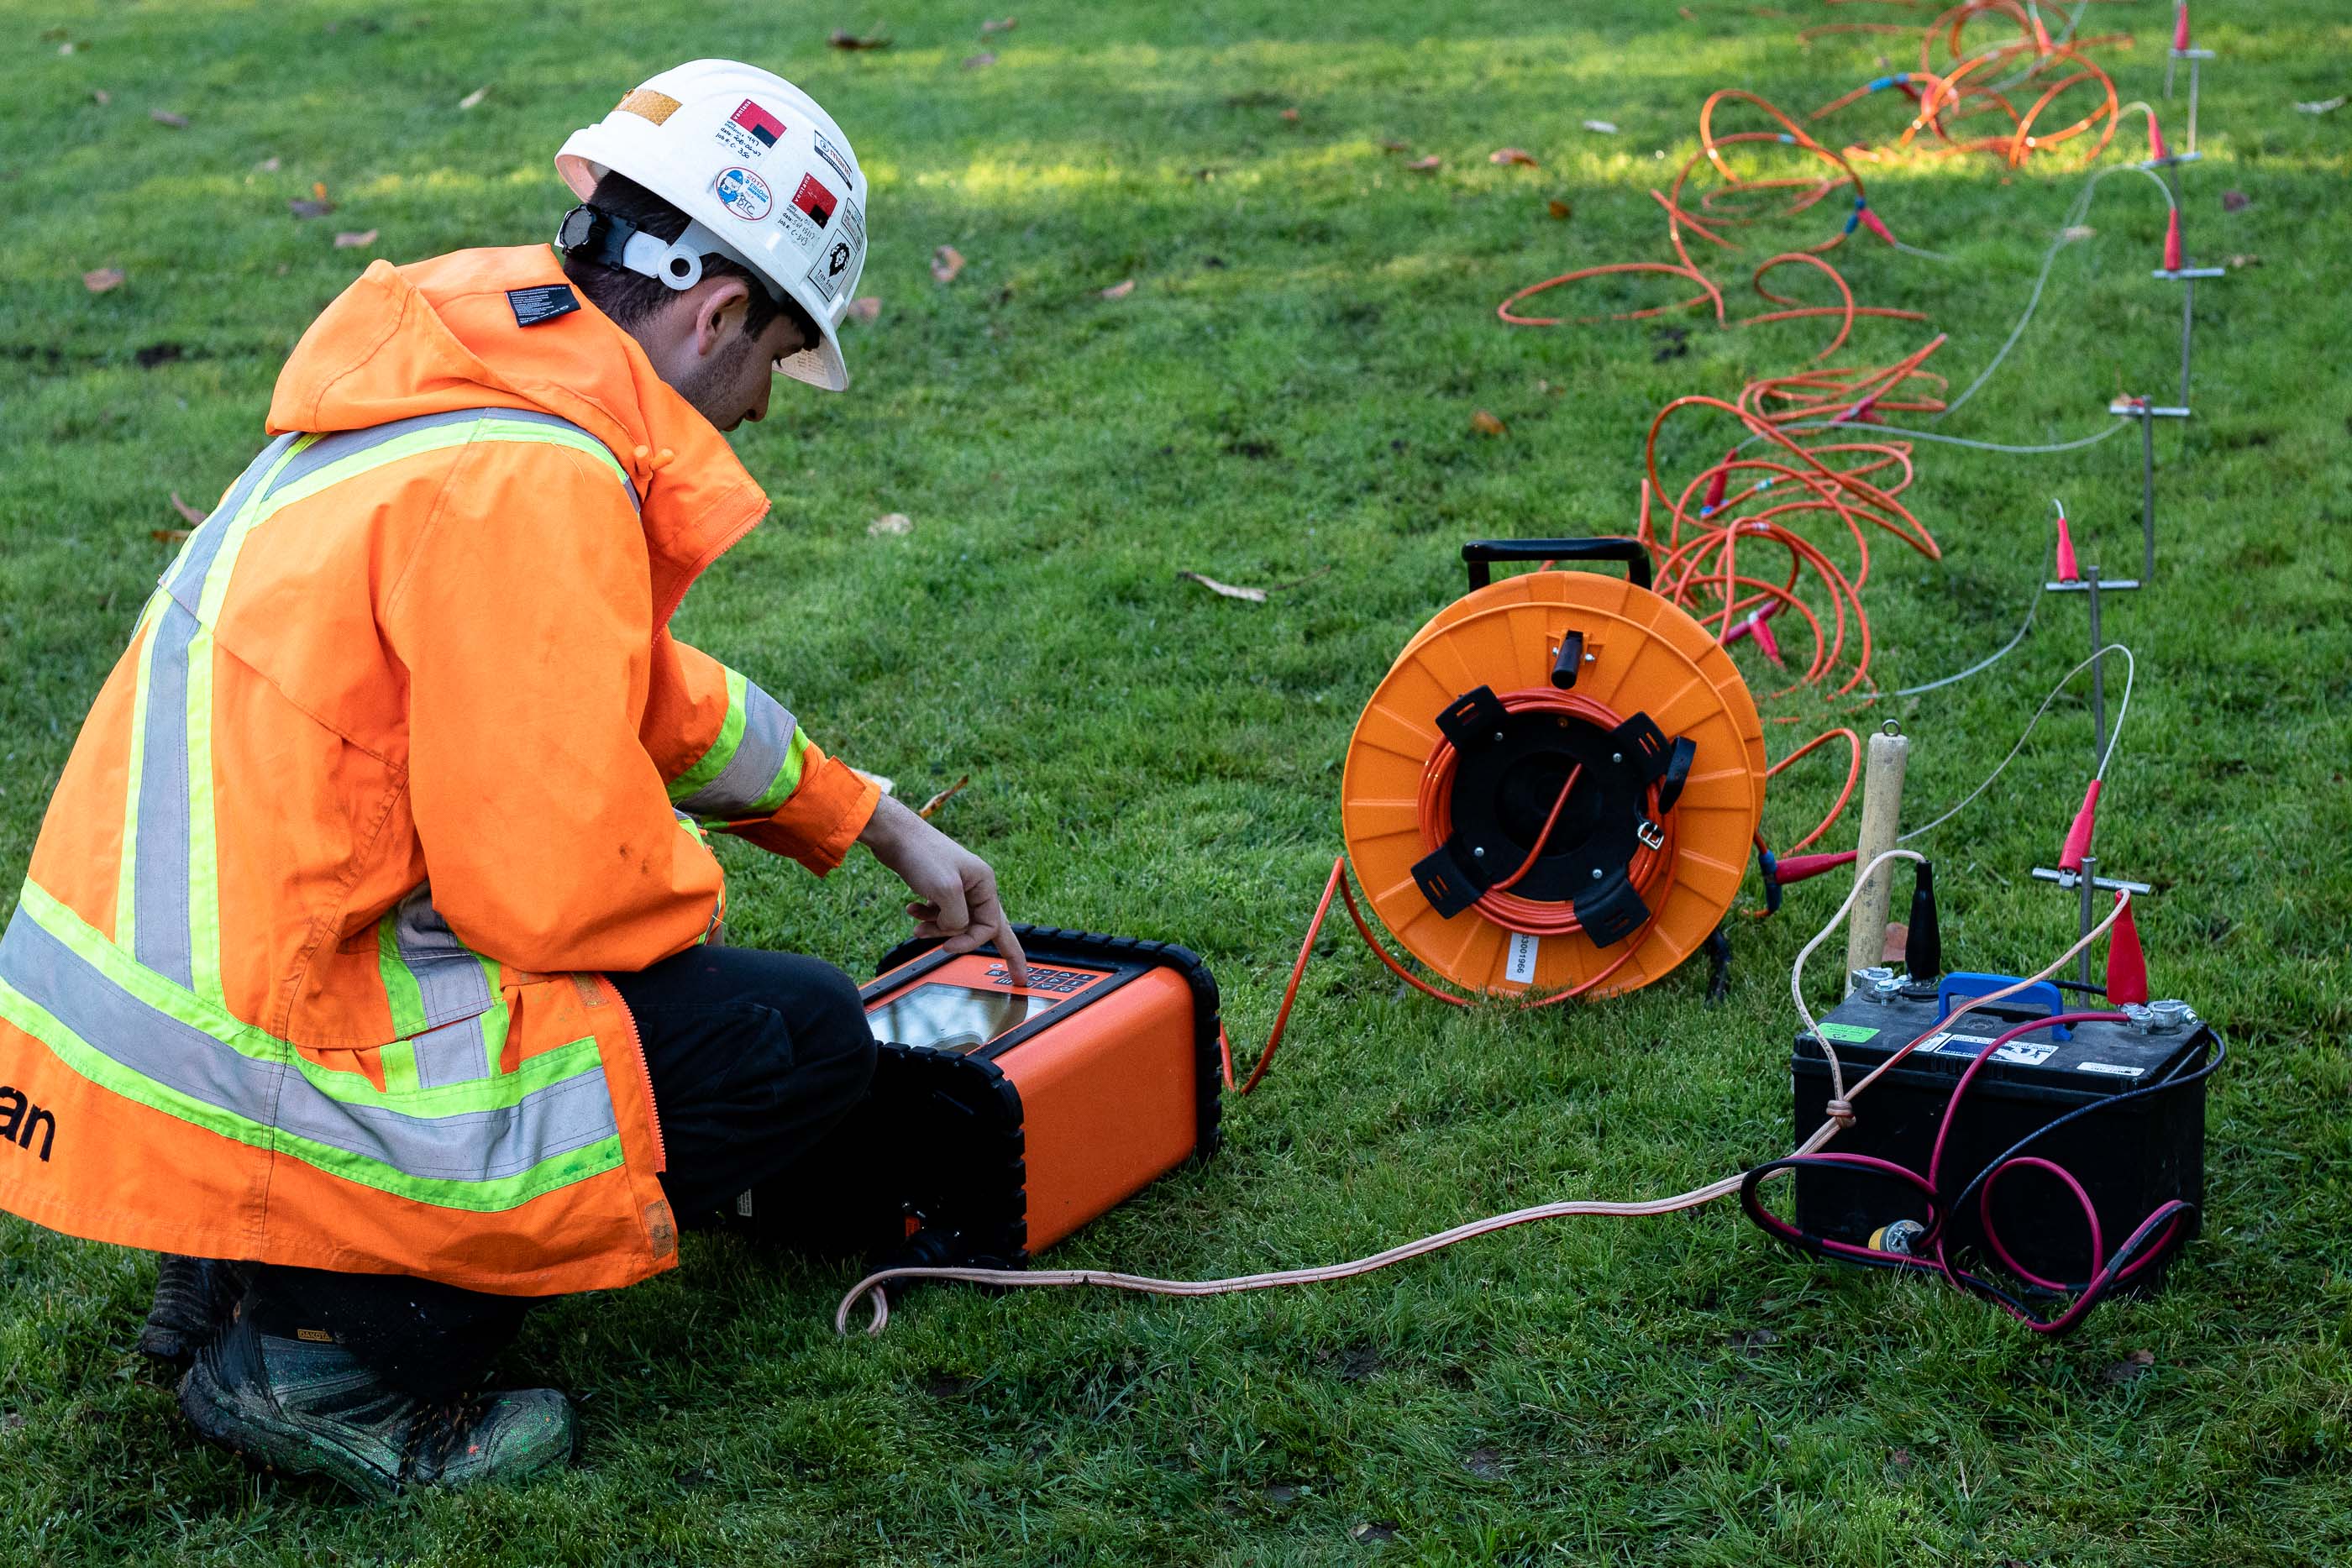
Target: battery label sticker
[(2020, 1052), (1847, 1033), (1520, 967), (2111, 1069)]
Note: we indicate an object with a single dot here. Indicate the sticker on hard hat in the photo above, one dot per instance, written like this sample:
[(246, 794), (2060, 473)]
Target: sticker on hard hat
[(815, 200), (804, 217), (833, 270), (742, 193), (750, 130), (648, 104), (833, 155)]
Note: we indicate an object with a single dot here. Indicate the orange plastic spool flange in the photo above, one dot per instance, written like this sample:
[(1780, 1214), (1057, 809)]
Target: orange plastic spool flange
[(1642, 654)]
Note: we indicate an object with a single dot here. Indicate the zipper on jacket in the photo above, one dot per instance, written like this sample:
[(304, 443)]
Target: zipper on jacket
[(644, 1073)]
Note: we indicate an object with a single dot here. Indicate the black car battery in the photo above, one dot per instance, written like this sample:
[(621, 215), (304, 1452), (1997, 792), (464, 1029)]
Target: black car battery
[(2135, 1153)]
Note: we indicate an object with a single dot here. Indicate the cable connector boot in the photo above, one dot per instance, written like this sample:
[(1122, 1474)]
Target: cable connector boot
[(2127, 963), (1715, 486), (2180, 26), (2173, 253), (1803, 868), (2078, 837), (1923, 945)]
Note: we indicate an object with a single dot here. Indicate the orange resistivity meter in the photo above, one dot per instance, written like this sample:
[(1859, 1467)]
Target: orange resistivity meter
[(1003, 1118)]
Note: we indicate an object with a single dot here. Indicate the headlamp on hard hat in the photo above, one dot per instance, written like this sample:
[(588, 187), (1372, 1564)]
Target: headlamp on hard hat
[(609, 240)]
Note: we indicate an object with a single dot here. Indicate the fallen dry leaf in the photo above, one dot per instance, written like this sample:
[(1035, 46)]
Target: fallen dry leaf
[(268, 166), (2133, 1367), (843, 38), (943, 797), (103, 280), (101, 97), (303, 207), (1602, 126), (1513, 155), (1226, 589), (2076, 232), (355, 239), (1006, 25), (890, 523), (1120, 289), (2325, 106), (475, 97), (1486, 424), (1391, 145), (1373, 1532), (1290, 114), (1428, 165), (985, 57), (1559, 209), (165, 117), (2234, 201), (865, 308), (946, 262), (185, 510), (2239, 263), (167, 536)]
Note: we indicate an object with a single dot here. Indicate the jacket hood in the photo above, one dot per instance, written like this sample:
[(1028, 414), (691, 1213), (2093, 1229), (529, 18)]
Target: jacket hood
[(444, 334)]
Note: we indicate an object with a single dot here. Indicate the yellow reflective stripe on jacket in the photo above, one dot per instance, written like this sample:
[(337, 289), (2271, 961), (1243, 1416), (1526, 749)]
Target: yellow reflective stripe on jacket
[(144, 1014), (754, 764)]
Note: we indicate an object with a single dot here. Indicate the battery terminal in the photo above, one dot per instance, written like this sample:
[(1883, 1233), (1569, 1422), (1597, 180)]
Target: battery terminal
[(2159, 1017)]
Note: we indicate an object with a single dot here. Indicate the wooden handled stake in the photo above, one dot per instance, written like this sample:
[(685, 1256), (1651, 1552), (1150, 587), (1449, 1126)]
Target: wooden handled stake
[(1882, 817)]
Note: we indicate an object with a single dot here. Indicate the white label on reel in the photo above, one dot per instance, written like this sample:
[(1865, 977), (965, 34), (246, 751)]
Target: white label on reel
[(1520, 967)]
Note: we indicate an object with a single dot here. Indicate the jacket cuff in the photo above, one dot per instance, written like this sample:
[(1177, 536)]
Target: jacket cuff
[(822, 820)]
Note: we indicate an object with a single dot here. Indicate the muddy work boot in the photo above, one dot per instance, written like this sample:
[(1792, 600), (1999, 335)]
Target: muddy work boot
[(302, 1404), (193, 1299)]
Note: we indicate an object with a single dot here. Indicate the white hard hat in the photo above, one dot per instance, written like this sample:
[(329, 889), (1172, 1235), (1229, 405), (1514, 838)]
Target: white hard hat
[(765, 177)]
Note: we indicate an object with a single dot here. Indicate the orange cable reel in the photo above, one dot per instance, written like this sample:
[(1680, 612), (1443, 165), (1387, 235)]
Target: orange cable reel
[(1553, 790)]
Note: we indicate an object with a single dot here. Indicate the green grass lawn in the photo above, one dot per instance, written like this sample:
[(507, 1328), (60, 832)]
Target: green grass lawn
[(1288, 389)]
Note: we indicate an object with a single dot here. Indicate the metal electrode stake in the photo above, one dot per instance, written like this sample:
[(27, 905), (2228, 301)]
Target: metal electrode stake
[(2090, 881), (2147, 412), (1882, 818), (2195, 57), (2188, 327), (2187, 277), (2098, 674)]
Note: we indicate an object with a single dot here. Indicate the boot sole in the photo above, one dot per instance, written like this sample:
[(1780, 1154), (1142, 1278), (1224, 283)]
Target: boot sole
[(266, 1438), (168, 1346)]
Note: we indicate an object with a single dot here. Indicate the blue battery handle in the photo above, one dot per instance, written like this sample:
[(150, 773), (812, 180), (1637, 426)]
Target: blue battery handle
[(1966, 986)]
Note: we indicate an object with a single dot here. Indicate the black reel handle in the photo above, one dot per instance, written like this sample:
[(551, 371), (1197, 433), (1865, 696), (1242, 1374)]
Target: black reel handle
[(1480, 554)]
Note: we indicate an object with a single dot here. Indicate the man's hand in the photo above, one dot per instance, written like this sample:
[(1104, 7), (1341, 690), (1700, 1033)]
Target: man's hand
[(955, 893)]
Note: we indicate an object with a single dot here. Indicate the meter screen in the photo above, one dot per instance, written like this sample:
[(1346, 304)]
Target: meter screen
[(951, 1018)]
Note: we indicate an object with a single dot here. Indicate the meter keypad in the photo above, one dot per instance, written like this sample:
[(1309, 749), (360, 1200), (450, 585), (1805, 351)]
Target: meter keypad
[(1065, 981)]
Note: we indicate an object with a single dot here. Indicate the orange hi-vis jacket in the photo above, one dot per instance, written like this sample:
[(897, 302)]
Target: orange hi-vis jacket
[(307, 966)]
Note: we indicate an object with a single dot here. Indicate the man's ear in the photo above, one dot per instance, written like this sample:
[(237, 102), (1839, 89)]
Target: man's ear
[(720, 306)]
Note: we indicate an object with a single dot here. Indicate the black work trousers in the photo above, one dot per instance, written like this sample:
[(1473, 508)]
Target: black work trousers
[(754, 1056)]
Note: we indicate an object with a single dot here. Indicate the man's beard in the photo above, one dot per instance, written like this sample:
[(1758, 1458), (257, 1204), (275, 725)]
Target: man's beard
[(717, 377)]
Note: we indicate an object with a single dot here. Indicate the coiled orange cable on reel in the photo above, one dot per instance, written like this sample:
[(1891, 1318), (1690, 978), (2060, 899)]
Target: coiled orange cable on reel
[(1553, 790)]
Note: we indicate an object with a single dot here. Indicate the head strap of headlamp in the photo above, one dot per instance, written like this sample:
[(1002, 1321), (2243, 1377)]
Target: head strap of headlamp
[(609, 240)]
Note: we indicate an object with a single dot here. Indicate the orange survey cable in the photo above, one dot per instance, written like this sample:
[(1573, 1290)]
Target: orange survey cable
[(874, 1288)]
